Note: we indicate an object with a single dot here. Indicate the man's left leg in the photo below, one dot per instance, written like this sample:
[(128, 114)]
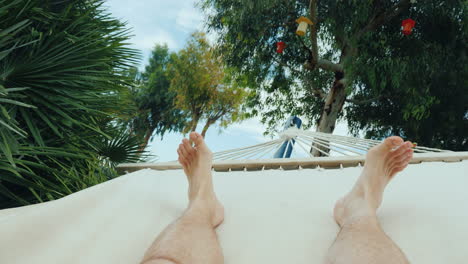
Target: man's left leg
[(192, 238), (361, 239)]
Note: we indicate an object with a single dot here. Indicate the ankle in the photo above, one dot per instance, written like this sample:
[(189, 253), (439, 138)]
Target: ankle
[(350, 209), (200, 208), (202, 200), (203, 190), (206, 209)]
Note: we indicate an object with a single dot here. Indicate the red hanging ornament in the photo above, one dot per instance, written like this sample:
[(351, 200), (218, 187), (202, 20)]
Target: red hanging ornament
[(280, 46), (407, 26)]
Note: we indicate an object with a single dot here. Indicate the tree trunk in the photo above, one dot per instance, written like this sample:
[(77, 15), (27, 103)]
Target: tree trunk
[(194, 123), (333, 106), (148, 135), (194, 126), (205, 128)]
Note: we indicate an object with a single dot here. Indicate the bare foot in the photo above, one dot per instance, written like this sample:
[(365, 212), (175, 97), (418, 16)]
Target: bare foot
[(382, 163), (197, 162)]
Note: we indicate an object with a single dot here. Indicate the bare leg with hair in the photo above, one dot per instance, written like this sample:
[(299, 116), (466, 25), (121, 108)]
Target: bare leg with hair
[(361, 239), (192, 239)]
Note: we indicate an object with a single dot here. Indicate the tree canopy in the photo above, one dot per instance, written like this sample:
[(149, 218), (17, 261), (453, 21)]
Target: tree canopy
[(179, 89), (417, 89), (156, 114), (353, 63)]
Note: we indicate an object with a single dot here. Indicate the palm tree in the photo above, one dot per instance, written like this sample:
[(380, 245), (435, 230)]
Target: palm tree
[(62, 89)]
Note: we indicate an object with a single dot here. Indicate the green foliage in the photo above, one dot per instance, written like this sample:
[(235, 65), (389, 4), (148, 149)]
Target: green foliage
[(203, 87), (156, 112), (176, 90), (228, 102), (418, 80), (62, 81), (122, 147), (394, 83), (248, 32)]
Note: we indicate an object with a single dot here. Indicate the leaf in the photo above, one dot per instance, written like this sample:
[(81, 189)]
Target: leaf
[(6, 151), (3, 91), (8, 101), (14, 27), (15, 130)]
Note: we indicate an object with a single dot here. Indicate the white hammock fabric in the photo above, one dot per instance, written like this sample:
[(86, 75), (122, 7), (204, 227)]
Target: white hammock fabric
[(272, 216)]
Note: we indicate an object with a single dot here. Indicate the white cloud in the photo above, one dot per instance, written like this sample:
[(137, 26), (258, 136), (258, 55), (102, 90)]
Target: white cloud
[(160, 36), (189, 18), (157, 21)]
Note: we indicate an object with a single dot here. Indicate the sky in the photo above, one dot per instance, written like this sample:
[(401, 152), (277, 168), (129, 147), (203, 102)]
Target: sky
[(172, 22)]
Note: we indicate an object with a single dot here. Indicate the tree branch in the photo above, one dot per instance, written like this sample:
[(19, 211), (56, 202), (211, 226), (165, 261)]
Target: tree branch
[(363, 102), (343, 81), (315, 61), (329, 66), (378, 20), (313, 31), (319, 93)]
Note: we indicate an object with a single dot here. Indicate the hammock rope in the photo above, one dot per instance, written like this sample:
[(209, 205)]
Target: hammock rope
[(302, 142)]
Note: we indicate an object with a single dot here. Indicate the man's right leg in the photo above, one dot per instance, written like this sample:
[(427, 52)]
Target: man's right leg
[(192, 238), (361, 239)]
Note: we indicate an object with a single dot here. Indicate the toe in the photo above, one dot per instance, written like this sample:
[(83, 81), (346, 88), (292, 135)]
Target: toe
[(409, 155), (401, 164), (188, 149), (387, 145), (392, 142), (182, 161), (186, 142), (397, 170), (200, 145), (401, 149), (182, 158), (399, 152), (179, 151), (183, 152), (196, 138), (409, 144), (402, 157)]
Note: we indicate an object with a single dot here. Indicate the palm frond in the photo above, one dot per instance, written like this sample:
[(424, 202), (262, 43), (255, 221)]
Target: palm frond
[(63, 71)]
